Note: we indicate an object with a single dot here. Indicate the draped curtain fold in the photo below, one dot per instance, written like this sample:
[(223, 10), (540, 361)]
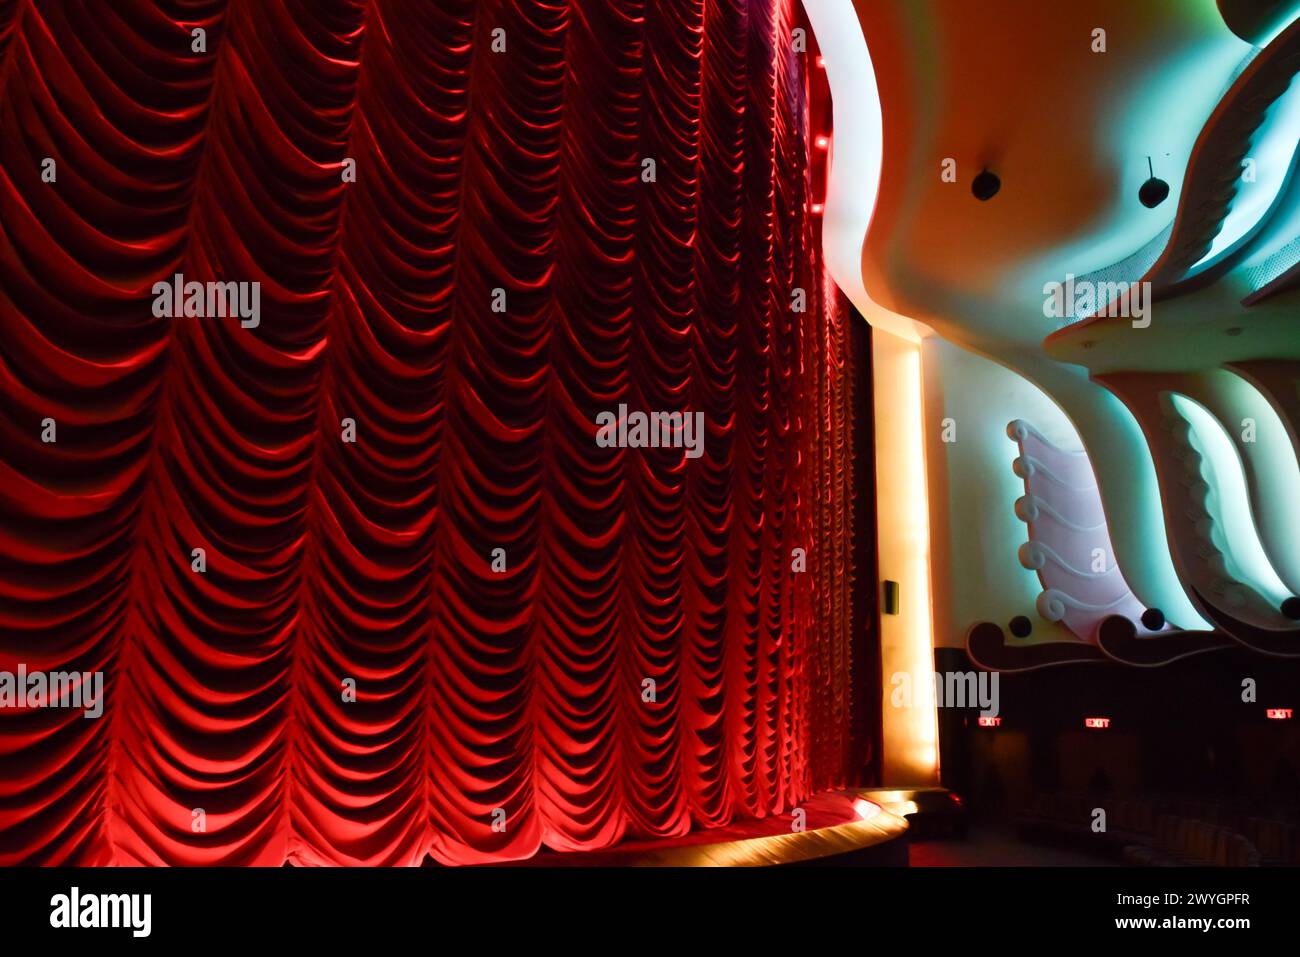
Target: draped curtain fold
[(550, 642)]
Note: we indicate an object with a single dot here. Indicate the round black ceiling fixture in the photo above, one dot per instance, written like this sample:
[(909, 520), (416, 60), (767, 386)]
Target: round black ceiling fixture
[(985, 186), (1154, 191), (1021, 626), (1153, 619), (1291, 608)]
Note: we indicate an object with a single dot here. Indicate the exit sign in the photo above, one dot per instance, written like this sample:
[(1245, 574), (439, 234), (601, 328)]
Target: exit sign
[(1096, 722), (1279, 714), (989, 722)]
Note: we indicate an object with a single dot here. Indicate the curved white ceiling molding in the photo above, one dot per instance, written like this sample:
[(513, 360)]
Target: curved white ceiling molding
[(1065, 554), (853, 180), (1228, 501), (1273, 153)]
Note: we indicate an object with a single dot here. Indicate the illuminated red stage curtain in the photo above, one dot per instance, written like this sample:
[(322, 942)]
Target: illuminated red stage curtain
[(497, 711)]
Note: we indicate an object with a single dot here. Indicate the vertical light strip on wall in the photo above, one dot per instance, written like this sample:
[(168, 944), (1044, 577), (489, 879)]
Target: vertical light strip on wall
[(909, 723)]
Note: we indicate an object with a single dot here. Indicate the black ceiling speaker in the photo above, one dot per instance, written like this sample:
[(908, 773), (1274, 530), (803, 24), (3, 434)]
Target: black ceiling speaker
[(1154, 191), (1153, 619), (1021, 626), (1291, 608), (985, 186)]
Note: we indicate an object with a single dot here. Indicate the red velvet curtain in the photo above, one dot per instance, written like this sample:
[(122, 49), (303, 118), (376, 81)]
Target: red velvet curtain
[(503, 269)]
